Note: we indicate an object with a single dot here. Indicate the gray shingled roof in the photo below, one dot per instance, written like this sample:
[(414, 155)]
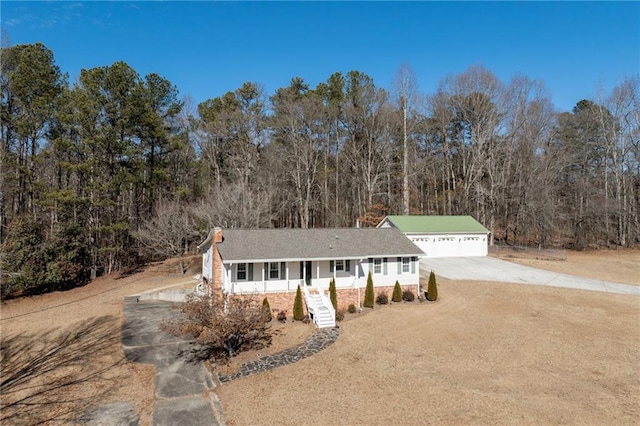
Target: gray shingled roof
[(313, 244)]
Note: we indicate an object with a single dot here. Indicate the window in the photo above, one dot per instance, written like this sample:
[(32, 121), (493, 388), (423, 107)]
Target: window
[(241, 272), (274, 271), (377, 266), (405, 265), (339, 265)]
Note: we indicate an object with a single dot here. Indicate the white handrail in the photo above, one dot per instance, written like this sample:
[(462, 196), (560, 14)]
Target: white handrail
[(326, 301), (311, 303)]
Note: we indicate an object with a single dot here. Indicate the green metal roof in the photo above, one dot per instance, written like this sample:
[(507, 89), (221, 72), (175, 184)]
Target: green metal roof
[(437, 224)]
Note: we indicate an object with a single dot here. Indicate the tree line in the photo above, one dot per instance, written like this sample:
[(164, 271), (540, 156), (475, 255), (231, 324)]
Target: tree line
[(112, 169)]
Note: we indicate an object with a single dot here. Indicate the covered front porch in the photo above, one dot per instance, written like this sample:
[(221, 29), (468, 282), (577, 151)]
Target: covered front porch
[(285, 276)]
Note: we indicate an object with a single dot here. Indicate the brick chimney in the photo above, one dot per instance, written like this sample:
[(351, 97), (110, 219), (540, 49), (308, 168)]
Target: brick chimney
[(216, 284)]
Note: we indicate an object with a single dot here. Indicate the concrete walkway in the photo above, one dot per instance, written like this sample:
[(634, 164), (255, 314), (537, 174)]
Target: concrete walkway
[(492, 269), (179, 384)]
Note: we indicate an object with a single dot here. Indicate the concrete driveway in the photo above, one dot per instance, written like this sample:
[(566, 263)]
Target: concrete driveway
[(492, 269)]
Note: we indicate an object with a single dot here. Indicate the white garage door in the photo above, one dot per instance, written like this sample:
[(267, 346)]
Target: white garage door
[(446, 247), (424, 244), (451, 246), (473, 246)]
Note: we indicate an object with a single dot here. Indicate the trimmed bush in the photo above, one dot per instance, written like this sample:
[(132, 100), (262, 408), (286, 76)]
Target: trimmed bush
[(267, 309), (298, 310), (432, 288), (351, 309), (368, 293), (282, 316), (340, 315), (306, 319), (408, 296), (397, 292), (382, 298), (333, 294)]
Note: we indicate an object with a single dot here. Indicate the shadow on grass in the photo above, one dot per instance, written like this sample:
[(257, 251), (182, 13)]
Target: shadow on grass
[(55, 376)]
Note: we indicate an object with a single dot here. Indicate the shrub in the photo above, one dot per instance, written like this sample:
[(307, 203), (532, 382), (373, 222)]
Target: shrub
[(408, 296), (298, 310), (432, 288), (222, 329), (282, 316), (368, 293), (340, 315), (306, 319), (267, 309), (382, 298), (333, 294), (352, 308), (397, 292)]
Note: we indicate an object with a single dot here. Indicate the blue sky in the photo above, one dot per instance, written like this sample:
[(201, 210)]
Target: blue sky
[(209, 48)]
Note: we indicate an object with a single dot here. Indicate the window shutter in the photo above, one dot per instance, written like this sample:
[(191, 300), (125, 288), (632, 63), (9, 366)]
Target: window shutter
[(331, 266), (384, 265), (413, 265), (283, 270), (371, 265), (347, 265), (250, 272), (266, 271), (301, 270), (399, 265)]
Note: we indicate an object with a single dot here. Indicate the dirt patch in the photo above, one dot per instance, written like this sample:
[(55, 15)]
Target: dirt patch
[(485, 353), (621, 266), (284, 336)]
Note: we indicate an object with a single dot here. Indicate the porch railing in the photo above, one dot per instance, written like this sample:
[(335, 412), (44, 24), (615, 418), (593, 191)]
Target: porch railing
[(311, 303), (326, 301)]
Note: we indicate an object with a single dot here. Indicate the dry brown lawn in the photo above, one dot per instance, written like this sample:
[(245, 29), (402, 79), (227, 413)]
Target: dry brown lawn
[(621, 266), (485, 353), (57, 312)]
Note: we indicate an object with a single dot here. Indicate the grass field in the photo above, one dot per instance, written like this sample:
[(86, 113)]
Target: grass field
[(485, 353)]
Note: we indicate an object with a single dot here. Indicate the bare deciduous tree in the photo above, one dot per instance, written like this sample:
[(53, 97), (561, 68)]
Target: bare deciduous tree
[(168, 233), (222, 327)]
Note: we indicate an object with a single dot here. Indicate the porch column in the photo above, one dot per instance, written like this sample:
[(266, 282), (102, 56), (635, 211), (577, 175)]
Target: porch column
[(287, 275), (358, 266)]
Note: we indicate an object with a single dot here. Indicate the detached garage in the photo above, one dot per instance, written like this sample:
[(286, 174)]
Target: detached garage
[(442, 236)]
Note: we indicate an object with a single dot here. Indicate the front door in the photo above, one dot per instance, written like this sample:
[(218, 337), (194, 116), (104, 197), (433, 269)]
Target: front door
[(305, 272)]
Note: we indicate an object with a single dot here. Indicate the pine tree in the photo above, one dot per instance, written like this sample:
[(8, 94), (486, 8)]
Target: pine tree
[(267, 309), (397, 292), (333, 294), (298, 311), (432, 289), (368, 293)]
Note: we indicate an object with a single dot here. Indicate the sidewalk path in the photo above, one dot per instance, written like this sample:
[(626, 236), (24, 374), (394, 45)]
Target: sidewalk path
[(179, 384)]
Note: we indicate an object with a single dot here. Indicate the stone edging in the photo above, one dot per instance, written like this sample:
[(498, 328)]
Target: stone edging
[(315, 343)]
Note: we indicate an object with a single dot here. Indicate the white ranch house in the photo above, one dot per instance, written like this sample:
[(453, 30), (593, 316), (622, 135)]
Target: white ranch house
[(274, 262), (442, 236)]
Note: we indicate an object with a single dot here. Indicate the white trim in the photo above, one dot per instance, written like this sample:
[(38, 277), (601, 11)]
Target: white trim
[(323, 259)]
